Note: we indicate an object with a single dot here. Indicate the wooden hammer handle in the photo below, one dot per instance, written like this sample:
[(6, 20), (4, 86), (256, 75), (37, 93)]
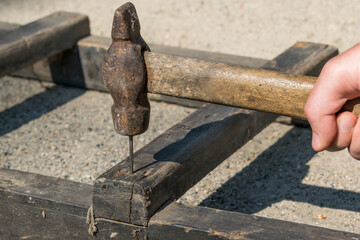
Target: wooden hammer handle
[(220, 83)]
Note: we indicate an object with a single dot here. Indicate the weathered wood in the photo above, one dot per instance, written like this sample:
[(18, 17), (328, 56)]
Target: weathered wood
[(81, 66), (263, 90), (5, 27), (177, 221), (180, 157), (28, 44), (41, 207), (173, 162), (91, 50)]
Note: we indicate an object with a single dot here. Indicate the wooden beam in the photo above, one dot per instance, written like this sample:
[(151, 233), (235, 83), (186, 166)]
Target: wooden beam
[(5, 27), (176, 160), (65, 69), (177, 221), (81, 65), (40, 207), (47, 36)]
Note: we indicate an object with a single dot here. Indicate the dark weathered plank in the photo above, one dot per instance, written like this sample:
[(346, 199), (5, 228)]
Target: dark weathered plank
[(5, 27), (180, 157), (40, 207), (92, 50), (81, 66), (173, 162), (47, 36), (294, 59), (177, 221)]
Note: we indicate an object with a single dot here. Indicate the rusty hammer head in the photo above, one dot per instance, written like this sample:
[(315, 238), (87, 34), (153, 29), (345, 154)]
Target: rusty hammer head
[(124, 73)]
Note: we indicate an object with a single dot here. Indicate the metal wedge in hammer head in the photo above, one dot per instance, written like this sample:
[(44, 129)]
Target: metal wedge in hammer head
[(124, 73)]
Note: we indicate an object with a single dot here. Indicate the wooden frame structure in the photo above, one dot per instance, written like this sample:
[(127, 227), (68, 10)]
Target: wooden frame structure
[(140, 206)]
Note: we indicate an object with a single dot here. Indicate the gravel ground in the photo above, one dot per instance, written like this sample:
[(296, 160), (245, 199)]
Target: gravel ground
[(67, 132)]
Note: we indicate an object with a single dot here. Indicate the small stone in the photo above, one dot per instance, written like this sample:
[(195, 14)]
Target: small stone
[(113, 235)]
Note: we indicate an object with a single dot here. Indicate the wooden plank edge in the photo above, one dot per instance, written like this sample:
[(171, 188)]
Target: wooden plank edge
[(45, 37), (35, 206), (177, 221)]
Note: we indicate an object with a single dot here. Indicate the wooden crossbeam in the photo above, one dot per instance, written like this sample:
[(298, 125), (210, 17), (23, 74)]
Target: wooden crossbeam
[(65, 68), (39, 207), (27, 44), (180, 157), (34, 206), (177, 221), (81, 66)]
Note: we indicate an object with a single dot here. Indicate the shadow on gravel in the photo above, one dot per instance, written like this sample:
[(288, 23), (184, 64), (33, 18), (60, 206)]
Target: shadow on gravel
[(65, 68), (276, 175), (35, 106)]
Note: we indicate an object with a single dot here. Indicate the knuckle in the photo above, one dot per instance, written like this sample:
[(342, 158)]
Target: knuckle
[(335, 67), (310, 110), (333, 63)]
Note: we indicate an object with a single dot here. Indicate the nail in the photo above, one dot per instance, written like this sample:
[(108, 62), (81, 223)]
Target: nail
[(315, 141), (346, 125)]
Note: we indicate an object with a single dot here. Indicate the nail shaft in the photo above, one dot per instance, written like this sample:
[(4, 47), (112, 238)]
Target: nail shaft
[(131, 165)]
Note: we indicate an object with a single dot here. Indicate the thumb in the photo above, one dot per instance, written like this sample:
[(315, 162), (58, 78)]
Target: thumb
[(324, 129)]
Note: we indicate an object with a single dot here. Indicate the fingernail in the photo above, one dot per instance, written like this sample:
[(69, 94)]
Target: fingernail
[(315, 141), (346, 125)]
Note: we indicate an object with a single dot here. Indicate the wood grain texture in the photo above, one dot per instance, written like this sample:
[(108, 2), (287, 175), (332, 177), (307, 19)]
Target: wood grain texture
[(176, 160), (40, 207), (177, 221), (29, 43), (262, 90)]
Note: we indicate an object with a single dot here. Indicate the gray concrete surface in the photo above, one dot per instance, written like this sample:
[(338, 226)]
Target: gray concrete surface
[(67, 132)]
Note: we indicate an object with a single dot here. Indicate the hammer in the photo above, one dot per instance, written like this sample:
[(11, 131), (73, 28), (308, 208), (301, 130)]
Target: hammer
[(130, 70)]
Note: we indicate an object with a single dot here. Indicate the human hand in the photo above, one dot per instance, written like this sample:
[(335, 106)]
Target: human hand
[(338, 82)]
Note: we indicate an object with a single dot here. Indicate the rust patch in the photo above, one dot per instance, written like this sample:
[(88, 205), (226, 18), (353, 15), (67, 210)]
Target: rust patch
[(299, 44)]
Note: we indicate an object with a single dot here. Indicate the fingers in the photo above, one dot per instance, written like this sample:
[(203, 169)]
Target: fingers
[(324, 130), (338, 82), (346, 122), (354, 148), (325, 100)]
